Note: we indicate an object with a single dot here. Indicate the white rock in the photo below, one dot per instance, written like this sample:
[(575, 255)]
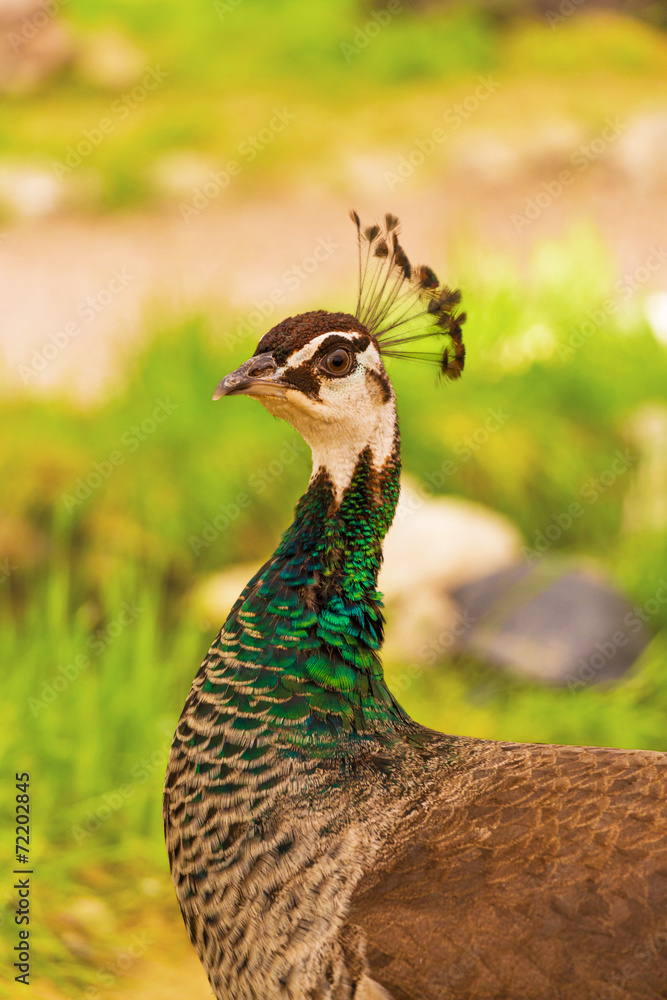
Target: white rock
[(110, 59), (433, 547), (655, 309), (29, 192), (214, 597), (640, 150), (176, 175)]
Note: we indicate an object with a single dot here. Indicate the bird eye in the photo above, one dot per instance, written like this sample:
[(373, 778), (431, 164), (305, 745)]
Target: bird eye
[(339, 362)]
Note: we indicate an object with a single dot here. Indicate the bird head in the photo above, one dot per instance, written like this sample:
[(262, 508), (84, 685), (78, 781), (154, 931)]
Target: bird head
[(324, 372)]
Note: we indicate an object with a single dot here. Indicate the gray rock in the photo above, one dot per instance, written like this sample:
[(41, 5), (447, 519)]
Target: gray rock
[(556, 622)]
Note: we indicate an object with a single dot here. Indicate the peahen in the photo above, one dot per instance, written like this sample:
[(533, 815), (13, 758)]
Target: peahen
[(322, 843)]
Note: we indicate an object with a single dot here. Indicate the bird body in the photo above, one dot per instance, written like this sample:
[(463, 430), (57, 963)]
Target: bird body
[(325, 845)]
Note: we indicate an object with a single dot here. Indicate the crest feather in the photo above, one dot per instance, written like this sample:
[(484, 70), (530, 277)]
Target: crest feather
[(400, 304)]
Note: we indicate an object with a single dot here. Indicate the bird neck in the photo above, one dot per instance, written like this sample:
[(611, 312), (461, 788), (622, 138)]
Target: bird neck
[(334, 545), (337, 448), (311, 620)]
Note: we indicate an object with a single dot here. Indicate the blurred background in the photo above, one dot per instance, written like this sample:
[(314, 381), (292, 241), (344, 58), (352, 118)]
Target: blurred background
[(174, 180)]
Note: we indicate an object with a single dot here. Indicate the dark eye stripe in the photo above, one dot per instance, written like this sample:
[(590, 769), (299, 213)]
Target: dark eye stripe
[(306, 378), (357, 344)]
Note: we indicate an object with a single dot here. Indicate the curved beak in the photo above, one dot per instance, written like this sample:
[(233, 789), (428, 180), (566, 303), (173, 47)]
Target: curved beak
[(256, 377)]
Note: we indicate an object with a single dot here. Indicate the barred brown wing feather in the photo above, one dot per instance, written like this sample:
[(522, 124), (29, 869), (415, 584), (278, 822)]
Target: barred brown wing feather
[(542, 874)]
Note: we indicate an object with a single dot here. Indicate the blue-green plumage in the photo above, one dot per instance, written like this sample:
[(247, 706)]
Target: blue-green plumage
[(311, 618), (312, 615)]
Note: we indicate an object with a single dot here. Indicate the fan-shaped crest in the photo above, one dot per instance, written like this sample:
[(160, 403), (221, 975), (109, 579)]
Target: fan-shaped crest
[(401, 304)]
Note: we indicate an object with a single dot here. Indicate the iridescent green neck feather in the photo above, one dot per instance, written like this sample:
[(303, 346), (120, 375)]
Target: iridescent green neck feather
[(307, 629)]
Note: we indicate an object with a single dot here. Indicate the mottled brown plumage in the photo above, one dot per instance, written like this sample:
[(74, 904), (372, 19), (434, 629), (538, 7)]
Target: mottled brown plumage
[(535, 872)]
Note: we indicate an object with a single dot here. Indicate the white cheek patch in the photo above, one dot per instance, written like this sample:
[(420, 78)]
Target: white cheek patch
[(370, 358), (371, 355)]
